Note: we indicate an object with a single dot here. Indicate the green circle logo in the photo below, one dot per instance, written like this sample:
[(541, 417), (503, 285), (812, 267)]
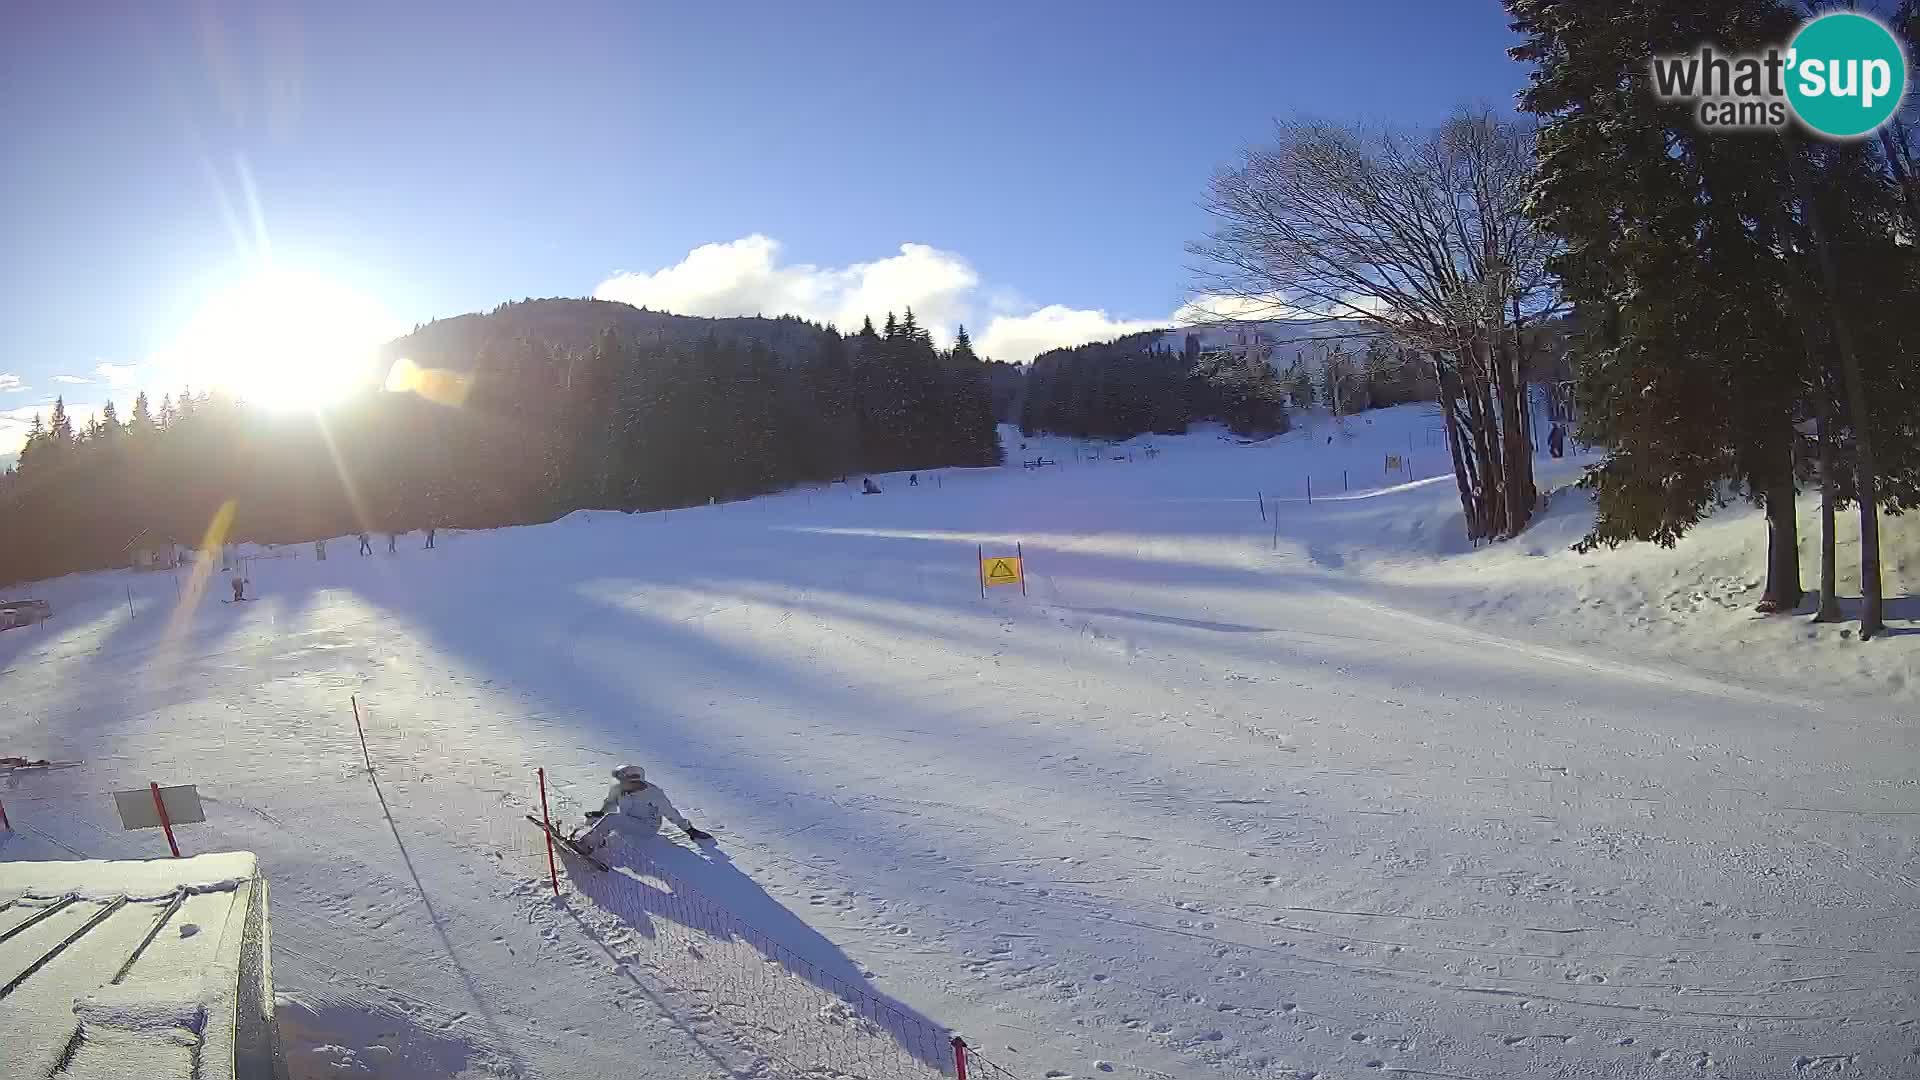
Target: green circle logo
[(1846, 75)]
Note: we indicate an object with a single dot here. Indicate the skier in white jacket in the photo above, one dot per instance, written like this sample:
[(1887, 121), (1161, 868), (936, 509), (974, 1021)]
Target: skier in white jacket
[(633, 811)]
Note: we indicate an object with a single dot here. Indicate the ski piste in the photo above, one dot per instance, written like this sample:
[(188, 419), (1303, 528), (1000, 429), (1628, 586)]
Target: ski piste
[(567, 843)]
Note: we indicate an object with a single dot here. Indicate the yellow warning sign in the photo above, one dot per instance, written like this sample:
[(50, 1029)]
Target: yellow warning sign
[(1003, 571)]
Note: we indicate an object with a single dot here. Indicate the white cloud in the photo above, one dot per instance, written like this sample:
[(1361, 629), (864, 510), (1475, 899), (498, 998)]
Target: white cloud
[(117, 374), (14, 424), (10, 384), (1022, 337), (72, 380), (745, 277)]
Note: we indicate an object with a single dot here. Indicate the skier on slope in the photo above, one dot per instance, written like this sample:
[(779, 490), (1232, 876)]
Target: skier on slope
[(633, 811)]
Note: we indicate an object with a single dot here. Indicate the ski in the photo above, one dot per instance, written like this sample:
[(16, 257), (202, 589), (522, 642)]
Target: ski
[(564, 842), (17, 764)]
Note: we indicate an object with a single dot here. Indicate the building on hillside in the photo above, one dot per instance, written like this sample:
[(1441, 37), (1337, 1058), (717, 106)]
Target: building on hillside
[(157, 969), (165, 557)]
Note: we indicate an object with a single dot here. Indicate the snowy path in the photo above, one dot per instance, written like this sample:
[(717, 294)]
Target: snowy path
[(1193, 807)]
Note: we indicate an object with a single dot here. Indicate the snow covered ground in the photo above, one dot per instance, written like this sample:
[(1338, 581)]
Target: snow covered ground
[(1323, 795)]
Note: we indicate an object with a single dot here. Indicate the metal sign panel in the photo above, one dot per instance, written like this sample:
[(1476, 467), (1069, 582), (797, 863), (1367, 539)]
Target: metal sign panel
[(138, 812)]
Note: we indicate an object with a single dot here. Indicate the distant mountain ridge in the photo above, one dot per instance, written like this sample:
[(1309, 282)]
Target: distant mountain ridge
[(571, 326), (1280, 341)]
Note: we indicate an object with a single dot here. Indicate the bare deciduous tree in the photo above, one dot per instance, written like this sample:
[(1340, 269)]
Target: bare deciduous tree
[(1424, 236)]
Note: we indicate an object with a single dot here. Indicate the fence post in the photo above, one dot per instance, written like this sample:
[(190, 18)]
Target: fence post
[(354, 699), (1309, 491), (166, 823), (980, 568), (959, 1058), (1262, 499), (1343, 479), (4, 823), (1022, 556), (552, 872)]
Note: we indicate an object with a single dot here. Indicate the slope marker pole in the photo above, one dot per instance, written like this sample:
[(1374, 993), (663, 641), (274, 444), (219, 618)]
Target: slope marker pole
[(552, 872), (166, 823), (364, 756)]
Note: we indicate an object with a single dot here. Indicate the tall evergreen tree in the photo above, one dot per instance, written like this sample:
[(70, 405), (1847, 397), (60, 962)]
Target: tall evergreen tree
[(36, 438), (60, 426), (1689, 375)]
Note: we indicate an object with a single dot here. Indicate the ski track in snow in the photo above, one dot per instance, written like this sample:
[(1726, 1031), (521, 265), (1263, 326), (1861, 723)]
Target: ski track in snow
[(1206, 802)]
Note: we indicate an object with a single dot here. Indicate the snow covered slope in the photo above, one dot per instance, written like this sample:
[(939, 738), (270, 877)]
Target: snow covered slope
[(1319, 795)]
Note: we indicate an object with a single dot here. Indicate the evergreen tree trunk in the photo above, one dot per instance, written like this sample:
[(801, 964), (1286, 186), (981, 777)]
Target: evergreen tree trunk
[(1829, 607), (1783, 591), (1872, 621), (1829, 610)]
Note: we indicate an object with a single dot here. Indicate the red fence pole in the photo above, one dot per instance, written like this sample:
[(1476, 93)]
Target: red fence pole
[(1022, 556), (368, 758), (4, 823), (165, 822), (980, 567), (552, 872), (959, 1058)]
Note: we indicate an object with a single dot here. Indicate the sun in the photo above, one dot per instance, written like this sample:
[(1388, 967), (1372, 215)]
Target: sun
[(285, 339)]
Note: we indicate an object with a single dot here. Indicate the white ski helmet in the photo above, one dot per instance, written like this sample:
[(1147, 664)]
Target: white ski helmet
[(633, 773)]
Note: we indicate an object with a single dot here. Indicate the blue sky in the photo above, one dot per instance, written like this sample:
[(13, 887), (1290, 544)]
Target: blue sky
[(1040, 162)]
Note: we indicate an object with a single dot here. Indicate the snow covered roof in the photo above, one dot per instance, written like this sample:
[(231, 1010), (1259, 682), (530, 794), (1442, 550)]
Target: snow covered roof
[(154, 968)]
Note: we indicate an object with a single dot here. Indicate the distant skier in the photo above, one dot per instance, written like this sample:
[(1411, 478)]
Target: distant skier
[(633, 810), (393, 541), (913, 479), (1557, 441), (366, 544), (239, 587), (430, 531), (320, 551), (871, 488)]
